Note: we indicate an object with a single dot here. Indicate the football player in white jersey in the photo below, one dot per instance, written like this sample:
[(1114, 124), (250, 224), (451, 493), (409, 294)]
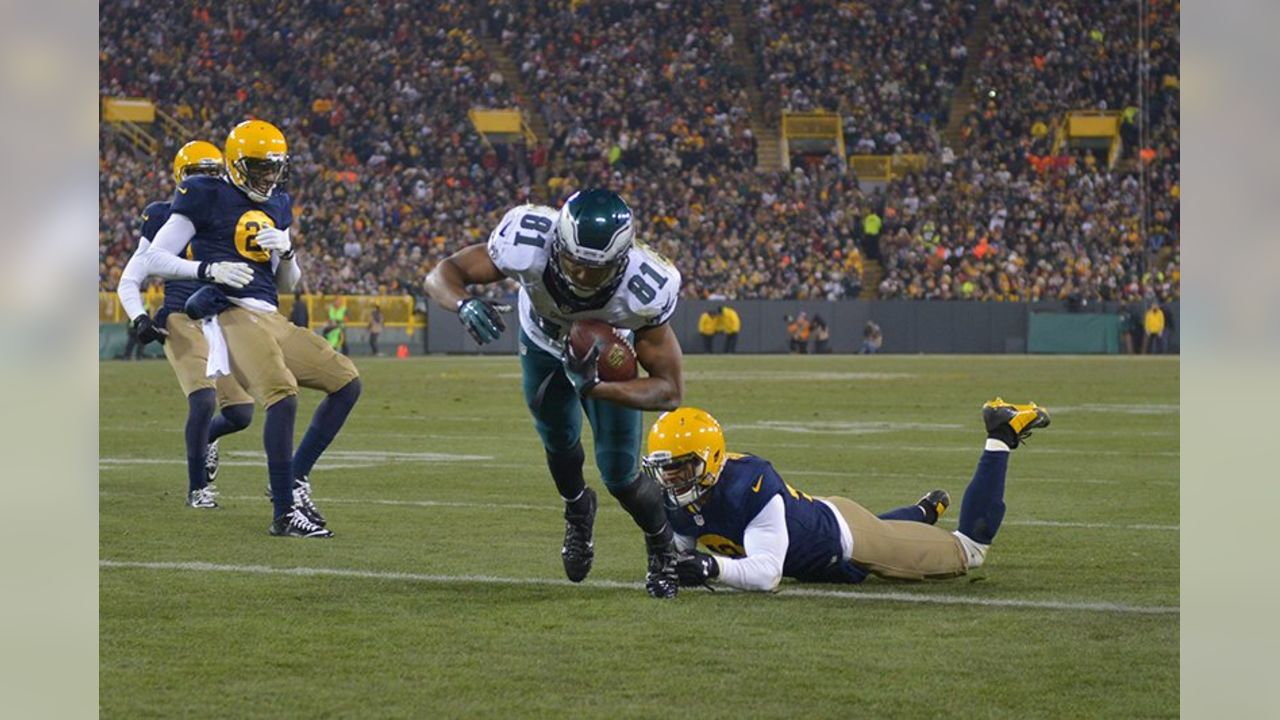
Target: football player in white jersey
[(578, 263)]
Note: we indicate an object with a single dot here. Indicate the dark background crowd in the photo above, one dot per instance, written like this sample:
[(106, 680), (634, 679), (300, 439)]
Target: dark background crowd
[(662, 102)]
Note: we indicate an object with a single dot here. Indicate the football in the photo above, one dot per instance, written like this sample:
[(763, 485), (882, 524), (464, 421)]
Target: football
[(617, 360)]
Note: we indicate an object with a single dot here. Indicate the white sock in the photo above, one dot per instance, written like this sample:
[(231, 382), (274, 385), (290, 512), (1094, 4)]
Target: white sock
[(576, 497), (994, 445), (975, 553)]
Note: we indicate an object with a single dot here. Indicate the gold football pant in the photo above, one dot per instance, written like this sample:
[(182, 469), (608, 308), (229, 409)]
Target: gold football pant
[(900, 549), (271, 356), (188, 354)]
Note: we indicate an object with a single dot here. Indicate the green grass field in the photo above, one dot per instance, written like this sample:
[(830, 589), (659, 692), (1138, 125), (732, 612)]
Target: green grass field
[(442, 594)]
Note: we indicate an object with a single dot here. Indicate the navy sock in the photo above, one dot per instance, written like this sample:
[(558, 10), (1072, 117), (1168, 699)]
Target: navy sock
[(325, 424), (200, 407), (277, 439), (983, 507), (233, 418), (914, 513)]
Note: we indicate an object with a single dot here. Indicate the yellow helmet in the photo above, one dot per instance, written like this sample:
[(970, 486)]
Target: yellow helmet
[(196, 158), (686, 454), (257, 157)]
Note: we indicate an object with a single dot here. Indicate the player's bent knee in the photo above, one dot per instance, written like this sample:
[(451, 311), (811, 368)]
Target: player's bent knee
[(617, 469), (277, 393), (239, 416)]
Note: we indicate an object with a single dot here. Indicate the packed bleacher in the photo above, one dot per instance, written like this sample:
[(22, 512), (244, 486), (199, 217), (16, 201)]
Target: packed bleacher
[(889, 69), (389, 176)]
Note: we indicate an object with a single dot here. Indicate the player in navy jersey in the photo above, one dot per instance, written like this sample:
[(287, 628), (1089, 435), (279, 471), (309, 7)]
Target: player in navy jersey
[(184, 343), (757, 528), (245, 218)]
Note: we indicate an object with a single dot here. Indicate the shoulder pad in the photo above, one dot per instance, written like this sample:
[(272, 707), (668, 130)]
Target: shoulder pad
[(522, 241), (154, 218)]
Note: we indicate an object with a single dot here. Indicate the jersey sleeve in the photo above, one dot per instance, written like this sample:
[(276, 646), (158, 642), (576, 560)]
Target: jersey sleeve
[(520, 244), (652, 286), (283, 211), (153, 219), (194, 200)]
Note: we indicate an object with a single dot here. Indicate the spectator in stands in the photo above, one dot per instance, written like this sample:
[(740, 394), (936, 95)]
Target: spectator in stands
[(375, 328), (730, 325), (872, 338)]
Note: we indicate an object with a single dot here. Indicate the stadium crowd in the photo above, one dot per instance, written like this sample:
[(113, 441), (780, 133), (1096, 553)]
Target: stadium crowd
[(389, 176), (889, 69)]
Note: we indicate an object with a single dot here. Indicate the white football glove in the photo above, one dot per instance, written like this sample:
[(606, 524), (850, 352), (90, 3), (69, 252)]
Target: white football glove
[(274, 240), (231, 274)]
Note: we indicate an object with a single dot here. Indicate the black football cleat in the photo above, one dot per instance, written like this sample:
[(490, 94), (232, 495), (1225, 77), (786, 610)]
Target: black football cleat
[(934, 504), (1011, 423), (579, 551), (211, 462), (295, 523), (302, 500), (662, 582)]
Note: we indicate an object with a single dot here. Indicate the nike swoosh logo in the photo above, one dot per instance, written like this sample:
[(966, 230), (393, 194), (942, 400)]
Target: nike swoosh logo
[(756, 488), (182, 190)]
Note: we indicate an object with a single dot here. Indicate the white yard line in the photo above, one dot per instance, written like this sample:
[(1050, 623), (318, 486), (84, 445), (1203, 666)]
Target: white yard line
[(873, 596)]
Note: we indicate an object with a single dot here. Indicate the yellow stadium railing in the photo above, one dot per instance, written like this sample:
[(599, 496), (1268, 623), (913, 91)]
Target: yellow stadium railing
[(805, 127), (397, 310), (501, 123), (883, 168)]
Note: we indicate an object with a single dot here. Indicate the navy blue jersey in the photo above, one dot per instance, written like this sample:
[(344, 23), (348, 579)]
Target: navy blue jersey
[(176, 292), (227, 224), (747, 483)]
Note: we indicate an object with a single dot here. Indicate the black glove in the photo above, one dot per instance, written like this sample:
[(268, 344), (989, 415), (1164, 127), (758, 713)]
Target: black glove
[(147, 331), (583, 372), (482, 318), (696, 568)]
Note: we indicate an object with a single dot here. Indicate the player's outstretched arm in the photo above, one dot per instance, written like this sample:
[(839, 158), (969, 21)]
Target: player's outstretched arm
[(447, 285), (658, 352)]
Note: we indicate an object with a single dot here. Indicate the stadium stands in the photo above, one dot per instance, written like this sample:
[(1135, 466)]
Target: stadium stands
[(647, 97)]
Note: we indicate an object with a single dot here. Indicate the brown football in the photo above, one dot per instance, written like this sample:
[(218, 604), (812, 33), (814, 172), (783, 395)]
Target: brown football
[(617, 361)]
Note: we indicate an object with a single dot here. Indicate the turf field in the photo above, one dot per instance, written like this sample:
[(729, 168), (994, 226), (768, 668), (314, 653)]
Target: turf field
[(442, 594)]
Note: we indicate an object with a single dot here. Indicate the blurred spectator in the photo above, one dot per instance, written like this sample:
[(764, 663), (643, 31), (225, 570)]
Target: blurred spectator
[(708, 326), (872, 338), (375, 328), (730, 325), (1153, 323), (798, 330), (821, 336), (299, 315)]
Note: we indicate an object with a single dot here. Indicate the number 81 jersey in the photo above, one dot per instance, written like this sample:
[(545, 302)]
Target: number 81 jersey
[(520, 247), (227, 223)]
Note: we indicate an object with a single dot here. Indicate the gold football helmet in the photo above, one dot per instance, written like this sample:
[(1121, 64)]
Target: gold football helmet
[(686, 454), (257, 158), (196, 158)]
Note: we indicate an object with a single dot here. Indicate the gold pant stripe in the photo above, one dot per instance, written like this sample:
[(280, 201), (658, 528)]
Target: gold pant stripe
[(900, 548), (188, 354)]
